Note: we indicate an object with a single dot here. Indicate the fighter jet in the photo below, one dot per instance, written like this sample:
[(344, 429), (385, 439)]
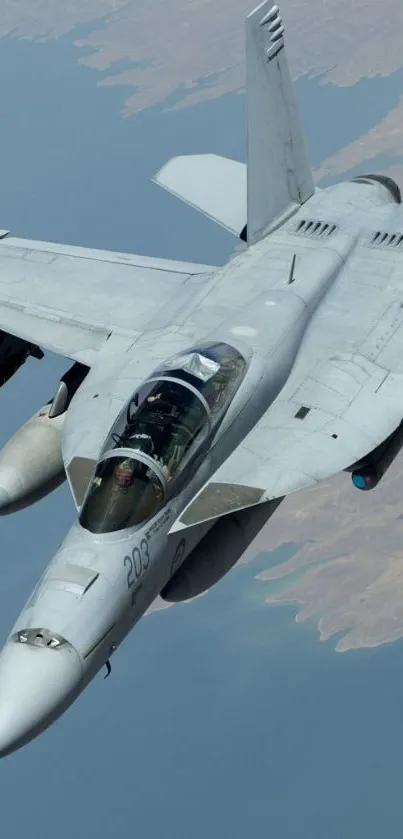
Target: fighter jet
[(197, 397)]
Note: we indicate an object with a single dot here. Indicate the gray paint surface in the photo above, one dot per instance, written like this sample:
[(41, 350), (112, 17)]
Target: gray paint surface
[(196, 764)]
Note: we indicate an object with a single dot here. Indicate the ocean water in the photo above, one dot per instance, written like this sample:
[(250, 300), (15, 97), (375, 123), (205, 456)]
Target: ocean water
[(222, 718)]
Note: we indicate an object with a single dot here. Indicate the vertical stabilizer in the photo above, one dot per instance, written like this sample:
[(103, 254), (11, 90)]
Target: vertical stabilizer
[(279, 178)]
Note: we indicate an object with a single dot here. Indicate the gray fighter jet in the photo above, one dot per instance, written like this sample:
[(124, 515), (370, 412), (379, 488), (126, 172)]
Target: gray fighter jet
[(198, 397)]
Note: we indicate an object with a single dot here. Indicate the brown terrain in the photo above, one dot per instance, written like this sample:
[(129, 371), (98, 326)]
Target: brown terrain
[(196, 47), (177, 43), (348, 564), (351, 558), (385, 137), (352, 554)]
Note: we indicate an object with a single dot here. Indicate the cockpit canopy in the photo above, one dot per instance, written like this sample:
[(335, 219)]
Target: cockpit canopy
[(164, 424)]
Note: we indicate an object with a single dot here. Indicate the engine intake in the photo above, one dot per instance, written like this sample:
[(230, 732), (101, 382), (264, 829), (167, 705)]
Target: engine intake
[(218, 552)]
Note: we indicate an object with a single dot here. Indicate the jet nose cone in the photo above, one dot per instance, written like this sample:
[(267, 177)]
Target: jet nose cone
[(36, 685)]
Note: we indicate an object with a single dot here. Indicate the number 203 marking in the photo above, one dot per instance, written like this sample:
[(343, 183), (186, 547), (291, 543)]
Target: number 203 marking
[(136, 563)]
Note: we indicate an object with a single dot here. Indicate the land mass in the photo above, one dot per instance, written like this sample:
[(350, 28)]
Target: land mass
[(347, 567), (384, 138), (348, 563), (171, 45), (176, 53)]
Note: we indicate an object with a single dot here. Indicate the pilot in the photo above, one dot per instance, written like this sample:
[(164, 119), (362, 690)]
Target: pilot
[(142, 442), (164, 402), (154, 397), (124, 474)]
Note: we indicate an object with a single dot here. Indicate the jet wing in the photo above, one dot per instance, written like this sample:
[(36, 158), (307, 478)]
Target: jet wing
[(70, 299), (343, 398)]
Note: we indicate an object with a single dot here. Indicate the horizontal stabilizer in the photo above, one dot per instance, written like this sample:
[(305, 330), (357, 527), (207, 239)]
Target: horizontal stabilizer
[(214, 185)]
